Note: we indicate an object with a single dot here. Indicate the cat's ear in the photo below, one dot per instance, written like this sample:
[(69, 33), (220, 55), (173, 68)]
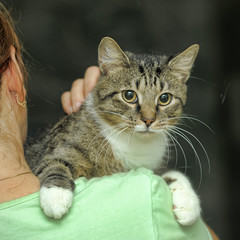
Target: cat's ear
[(181, 65), (111, 58)]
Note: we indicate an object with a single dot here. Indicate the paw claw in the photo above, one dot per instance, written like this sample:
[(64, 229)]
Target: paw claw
[(185, 206)]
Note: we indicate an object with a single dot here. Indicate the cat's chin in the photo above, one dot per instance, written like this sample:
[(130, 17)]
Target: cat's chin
[(146, 133)]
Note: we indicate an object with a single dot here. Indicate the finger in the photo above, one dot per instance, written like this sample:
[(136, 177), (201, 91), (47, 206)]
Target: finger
[(77, 94), (66, 102), (90, 79)]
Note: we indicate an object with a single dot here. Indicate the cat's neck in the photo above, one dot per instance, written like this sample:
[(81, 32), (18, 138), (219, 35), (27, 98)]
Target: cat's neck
[(138, 150)]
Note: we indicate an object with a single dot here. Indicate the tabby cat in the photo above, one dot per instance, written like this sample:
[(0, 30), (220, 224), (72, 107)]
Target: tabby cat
[(122, 125)]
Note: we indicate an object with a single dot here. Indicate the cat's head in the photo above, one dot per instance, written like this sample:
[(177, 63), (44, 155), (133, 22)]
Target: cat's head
[(141, 93)]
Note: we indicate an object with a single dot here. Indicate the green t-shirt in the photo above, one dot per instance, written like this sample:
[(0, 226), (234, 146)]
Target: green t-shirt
[(129, 206)]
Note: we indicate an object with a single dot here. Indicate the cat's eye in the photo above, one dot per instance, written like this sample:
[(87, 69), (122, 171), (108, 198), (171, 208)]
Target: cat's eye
[(129, 96), (165, 99)]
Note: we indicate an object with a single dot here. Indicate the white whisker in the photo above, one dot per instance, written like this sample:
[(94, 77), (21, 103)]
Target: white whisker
[(175, 140), (114, 138), (203, 148), (167, 146), (105, 141), (176, 150), (197, 120), (178, 132)]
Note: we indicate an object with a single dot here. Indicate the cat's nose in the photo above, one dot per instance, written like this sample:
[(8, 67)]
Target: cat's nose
[(148, 121)]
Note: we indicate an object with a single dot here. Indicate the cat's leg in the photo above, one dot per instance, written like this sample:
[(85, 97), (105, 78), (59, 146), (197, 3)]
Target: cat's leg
[(186, 204), (57, 186)]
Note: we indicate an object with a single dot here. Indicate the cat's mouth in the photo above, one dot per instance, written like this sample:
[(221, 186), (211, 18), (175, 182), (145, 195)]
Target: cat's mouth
[(146, 132)]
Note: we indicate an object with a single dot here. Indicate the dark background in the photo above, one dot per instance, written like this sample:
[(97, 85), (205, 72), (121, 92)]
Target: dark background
[(61, 38)]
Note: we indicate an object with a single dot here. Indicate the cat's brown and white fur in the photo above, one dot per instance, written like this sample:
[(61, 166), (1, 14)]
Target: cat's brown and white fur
[(122, 125)]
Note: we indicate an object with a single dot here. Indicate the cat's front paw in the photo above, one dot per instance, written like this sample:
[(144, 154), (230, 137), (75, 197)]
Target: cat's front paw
[(186, 204), (55, 201)]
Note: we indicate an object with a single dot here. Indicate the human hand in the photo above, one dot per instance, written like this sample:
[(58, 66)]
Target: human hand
[(73, 99)]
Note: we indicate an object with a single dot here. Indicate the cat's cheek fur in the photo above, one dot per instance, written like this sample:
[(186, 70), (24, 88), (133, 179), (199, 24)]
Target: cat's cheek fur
[(186, 204), (55, 201)]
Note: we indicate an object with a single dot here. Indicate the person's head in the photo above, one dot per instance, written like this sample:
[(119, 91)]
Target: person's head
[(13, 78)]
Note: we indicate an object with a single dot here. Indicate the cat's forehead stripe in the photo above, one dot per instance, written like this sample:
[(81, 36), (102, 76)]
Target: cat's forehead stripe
[(150, 69), (150, 75), (137, 83), (162, 85), (158, 71), (146, 80), (155, 81), (141, 69)]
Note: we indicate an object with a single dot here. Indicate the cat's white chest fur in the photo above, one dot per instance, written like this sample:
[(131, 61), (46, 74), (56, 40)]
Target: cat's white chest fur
[(139, 150)]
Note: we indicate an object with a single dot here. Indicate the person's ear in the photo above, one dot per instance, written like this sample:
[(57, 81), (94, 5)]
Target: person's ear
[(15, 77)]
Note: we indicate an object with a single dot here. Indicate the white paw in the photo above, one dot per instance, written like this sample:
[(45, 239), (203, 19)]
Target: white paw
[(186, 204), (55, 201)]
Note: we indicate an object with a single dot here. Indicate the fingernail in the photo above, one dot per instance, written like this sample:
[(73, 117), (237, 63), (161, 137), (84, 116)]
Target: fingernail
[(77, 106), (70, 110)]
